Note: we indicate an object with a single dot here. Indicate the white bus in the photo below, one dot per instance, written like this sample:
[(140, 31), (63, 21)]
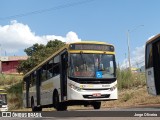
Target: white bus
[(152, 65), (81, 73), (3, 100)]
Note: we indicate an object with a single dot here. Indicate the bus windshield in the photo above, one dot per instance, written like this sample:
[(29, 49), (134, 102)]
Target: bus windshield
[(92, 65), (3, 99)]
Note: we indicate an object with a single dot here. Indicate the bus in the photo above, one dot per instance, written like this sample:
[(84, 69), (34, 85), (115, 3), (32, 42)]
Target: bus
[(3, 100), (80, 73), (152, 65)]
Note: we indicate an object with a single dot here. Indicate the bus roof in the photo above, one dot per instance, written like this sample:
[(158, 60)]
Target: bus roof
[(153, 38), (65, 47), (3, 91), (90, 42)]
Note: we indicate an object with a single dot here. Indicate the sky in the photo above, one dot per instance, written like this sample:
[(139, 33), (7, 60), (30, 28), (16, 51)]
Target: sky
[(26, 22)]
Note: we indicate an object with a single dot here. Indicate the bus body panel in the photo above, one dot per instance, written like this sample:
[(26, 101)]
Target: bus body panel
[(24, 100), (47, 88), (25, 94), (151, 81)]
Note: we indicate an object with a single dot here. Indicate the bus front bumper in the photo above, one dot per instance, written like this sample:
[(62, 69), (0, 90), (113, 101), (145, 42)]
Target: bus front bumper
[(98, 95)]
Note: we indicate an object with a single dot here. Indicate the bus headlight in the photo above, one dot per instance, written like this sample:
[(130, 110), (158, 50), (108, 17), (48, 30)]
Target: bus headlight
[(113, 88), (75, 87)]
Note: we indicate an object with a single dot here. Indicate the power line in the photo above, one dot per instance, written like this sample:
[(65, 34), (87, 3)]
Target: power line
[(138, 64), (47, 10)]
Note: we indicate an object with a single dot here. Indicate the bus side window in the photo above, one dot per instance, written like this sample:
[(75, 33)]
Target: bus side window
[(56, 66), (44, 73), (56, 70), (33, 79), (50, 69), (149, 60), (24, 85)]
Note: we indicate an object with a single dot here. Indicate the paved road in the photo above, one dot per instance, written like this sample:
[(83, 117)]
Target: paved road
[(136, 113)]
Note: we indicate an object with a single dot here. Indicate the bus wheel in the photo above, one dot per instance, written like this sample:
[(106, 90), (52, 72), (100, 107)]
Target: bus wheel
[(32, 104), (39, 108), (96, 105), (56, 100), (63, 107), (57, 105)]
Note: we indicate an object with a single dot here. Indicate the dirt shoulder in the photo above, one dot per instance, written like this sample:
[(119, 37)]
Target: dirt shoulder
[(137, 96)]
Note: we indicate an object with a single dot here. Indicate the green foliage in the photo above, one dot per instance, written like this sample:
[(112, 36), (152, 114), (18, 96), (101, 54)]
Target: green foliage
[(15, 89), (127, 79), (33, 49), (38, 53)]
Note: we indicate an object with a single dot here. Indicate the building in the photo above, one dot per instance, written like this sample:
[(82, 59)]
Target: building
[(8, 64)]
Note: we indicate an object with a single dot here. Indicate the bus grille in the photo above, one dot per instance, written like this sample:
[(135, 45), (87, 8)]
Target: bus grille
[(102, 96), (96, 88)]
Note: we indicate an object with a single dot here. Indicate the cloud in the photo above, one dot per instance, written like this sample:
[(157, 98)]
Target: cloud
[(151, 37), (72, 37), (137, 59), (18, 36), (138, 56)]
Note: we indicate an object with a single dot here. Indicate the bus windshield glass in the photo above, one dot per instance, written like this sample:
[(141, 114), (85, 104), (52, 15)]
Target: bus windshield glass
[(3, 99), (92, 65)]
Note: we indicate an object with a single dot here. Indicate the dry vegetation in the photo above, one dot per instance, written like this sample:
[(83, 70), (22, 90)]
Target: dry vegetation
[(133, 97), (12, 83), (8, 80)]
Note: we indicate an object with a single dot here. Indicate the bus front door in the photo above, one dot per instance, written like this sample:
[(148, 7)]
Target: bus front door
[(64, 59), (38, 85)]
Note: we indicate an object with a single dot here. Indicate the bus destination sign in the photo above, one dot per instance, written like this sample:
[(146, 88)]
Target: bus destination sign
[(100, 47)]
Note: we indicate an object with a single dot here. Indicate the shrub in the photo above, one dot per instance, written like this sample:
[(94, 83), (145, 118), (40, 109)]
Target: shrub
[(15, 96), (127, 79)]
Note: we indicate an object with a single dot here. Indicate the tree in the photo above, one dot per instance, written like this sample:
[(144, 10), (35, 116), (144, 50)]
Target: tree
[(33, 49), (38, 53)]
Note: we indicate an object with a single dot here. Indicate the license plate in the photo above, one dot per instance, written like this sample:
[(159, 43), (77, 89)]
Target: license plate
[(97, 94)]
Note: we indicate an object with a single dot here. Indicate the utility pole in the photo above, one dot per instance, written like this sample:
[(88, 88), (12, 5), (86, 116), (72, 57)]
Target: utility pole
[(128, 44), (129, 60)]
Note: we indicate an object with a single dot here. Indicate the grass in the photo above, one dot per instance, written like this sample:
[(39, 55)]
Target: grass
[(127, 79), (15, 100), (12, 83), (8, 80)]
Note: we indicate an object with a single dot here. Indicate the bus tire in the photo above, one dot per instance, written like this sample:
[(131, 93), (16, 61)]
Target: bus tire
[(96, 105), (63, 106), (57, 105), (32, 105), (56, 100), (39, 108)]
